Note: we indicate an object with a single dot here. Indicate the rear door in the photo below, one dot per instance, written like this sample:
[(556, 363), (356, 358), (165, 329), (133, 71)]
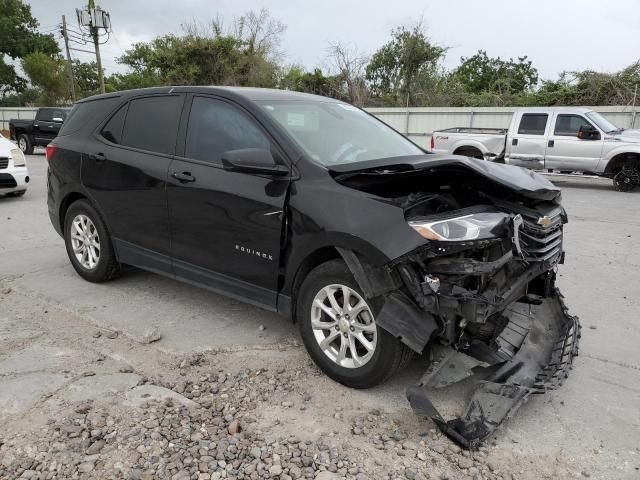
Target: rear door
[(225, 226), (565, 151), (528, 144), (125, 170)]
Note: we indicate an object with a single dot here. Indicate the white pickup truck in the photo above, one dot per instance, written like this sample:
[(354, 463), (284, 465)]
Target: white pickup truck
[(565, 139)]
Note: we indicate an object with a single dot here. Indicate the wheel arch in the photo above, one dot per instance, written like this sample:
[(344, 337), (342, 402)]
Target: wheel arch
[(301, 263), (468, 149), (619, 160)]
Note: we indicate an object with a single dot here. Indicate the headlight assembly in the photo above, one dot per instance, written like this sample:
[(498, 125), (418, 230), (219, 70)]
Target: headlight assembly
[(473, 226), (18, 157)]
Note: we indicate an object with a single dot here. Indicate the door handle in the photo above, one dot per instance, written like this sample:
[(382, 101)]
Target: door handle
[(98, 157), (551, 143), (184, 177), (514, 141)]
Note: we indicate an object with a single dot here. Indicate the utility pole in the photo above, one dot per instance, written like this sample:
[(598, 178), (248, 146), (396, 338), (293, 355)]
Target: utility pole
[(69, 65), (94, 33), (94, 19)]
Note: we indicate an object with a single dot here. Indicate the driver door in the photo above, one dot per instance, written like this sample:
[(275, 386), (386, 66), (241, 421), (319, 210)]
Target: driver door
[(225, 226), (568, 152)]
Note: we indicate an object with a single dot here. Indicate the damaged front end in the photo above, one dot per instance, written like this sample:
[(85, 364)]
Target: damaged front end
[(480, 294)]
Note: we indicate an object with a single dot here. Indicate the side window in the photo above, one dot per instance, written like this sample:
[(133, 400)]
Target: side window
[(152, 123), (533, 123), (112, 131), (45, 115), (58, 115), (216, 127), (569, 125)]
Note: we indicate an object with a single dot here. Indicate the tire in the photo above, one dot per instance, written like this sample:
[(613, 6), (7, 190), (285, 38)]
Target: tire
[(82, 217), (626, 179), (24, 143), (368, 367)]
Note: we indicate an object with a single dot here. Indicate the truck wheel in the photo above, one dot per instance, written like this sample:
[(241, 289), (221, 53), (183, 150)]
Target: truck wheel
[(25, 144), (339, 330), (88, 243), (626, 179)]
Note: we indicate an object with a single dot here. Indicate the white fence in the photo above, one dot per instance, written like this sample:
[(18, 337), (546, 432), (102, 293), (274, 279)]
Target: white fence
[(419, 122)]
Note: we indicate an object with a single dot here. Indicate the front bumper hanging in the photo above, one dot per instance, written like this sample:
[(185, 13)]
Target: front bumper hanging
[(533, 354)]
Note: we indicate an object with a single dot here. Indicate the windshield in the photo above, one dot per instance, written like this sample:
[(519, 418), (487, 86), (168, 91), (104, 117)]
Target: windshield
[(602, 123), (334, 133)]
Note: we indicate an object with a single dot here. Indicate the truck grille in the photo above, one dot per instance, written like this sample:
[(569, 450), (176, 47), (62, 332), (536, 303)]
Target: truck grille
[(4, 162), (539, 243)]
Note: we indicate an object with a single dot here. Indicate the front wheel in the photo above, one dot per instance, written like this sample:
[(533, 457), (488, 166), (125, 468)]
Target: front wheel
[(339, 330), (626, 179), (24, 143)]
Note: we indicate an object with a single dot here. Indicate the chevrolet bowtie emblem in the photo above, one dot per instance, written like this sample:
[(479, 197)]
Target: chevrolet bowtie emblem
[(544, 221)]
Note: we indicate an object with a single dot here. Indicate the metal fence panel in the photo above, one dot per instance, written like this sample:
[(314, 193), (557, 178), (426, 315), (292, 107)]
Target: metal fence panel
[(7, 113)]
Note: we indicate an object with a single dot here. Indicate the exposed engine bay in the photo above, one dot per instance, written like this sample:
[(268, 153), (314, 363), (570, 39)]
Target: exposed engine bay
[(479, 295)]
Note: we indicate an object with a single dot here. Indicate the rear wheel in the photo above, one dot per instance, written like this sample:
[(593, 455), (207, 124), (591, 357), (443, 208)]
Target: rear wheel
[(339, 330), (88, 243), (626, 179), (24, 143), (470, 152)]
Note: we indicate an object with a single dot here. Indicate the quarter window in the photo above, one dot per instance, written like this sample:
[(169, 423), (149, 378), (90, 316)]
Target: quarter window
[(533, 124), (112, 131), (152, 123), (569, 125), (216, 127)]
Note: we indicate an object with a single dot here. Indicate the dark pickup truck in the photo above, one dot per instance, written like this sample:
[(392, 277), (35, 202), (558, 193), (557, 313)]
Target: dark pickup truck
[(38, 132)]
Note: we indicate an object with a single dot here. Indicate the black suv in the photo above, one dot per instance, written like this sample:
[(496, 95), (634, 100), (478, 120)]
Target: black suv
[(313, 208)]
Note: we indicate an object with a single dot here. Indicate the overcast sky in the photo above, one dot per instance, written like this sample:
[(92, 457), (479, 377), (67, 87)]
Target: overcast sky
[(556, 35)]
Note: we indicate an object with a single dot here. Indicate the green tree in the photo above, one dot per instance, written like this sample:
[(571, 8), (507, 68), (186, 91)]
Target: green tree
[(316, 82), (49, 74), (85, 76), (398, 66), (481, 73), (18, 38)]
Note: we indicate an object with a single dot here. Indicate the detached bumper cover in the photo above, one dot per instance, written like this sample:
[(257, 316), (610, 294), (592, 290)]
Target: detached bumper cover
[(533, 354)]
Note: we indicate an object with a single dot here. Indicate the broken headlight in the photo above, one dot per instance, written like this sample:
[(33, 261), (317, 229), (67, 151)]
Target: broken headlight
[(473, 226)]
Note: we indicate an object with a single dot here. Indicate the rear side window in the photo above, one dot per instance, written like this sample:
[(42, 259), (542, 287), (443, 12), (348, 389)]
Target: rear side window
[(88, 114), (533, 124), (569, 125), (216, 127), (112, 131), (152, 123)]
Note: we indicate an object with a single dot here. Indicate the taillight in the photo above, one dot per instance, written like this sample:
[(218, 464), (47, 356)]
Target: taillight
[(50, 151), (433, 143)]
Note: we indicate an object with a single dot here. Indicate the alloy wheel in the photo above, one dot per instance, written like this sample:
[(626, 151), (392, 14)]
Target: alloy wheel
[(344, 326), (85, 241), (22, 143)]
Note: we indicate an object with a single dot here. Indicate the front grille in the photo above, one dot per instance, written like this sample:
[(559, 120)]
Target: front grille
[(4, 163), (7, 181), (539, 243)]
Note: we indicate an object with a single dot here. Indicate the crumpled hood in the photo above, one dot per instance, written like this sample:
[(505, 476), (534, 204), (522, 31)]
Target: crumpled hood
[(630, 136), (523, 181)]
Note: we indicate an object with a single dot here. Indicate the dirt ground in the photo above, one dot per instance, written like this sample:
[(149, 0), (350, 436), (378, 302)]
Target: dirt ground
[(145, 377)]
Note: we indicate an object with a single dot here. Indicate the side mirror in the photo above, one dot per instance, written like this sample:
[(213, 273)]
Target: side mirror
[(587, 132), (58, 120), (252, 160)]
